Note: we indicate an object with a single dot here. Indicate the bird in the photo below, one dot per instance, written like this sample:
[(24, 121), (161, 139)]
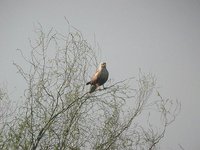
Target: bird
[(99, 78)]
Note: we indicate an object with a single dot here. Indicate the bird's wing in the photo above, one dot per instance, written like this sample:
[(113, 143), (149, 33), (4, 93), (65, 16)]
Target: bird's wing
[(95, 76)]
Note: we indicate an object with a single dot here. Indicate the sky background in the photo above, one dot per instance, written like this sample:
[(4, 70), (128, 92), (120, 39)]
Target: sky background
[(161, 37)]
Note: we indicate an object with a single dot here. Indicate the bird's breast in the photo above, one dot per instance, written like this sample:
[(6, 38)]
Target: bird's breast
[(103, 76)]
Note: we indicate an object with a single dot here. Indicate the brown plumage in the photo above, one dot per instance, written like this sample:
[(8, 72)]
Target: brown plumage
[(99, 78)]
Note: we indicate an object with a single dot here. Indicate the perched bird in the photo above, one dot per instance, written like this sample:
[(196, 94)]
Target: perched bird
[(99, 78)]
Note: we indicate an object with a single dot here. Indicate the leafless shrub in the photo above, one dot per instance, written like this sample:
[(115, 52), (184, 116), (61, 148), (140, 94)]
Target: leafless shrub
[(59, 113)]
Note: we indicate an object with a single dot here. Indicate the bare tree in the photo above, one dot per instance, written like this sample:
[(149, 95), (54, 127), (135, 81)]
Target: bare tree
[(59, 113)]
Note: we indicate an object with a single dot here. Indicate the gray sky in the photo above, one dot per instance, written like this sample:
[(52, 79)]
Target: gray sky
[(161, 37)]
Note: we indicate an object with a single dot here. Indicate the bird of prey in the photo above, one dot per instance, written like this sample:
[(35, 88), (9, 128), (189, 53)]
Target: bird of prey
[(99, 78)]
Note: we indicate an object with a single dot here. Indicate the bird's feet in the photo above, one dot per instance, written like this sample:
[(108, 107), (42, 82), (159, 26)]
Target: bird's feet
[(101, 89)]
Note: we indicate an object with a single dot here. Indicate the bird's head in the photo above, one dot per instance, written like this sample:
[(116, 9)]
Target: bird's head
[(103, 65)]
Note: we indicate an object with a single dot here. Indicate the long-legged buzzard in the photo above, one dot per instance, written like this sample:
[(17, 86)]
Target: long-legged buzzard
[(99, 78)]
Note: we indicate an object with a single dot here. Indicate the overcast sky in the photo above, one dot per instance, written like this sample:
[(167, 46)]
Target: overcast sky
[(161, 37)]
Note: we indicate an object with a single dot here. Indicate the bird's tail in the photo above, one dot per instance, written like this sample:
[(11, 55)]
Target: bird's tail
[(87, 83)]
